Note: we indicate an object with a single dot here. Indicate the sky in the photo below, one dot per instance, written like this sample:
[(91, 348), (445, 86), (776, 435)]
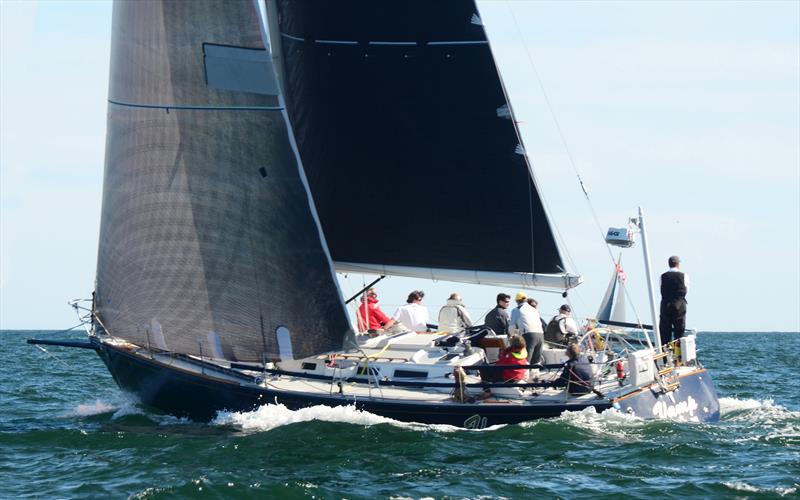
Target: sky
[(690, 110)]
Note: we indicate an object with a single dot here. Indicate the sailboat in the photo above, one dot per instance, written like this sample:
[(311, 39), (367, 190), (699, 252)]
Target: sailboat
[(256, 149)]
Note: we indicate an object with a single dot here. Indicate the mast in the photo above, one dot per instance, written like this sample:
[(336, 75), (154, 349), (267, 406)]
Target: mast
[(650, 289)]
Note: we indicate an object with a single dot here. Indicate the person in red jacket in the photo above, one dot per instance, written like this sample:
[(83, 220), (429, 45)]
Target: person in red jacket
[(516, 354), (370, 316)]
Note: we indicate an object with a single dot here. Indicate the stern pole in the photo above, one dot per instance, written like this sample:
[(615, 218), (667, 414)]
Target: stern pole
[(650, 289)]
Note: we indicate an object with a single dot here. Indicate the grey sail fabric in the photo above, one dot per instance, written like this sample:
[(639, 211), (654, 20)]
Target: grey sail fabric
[(612, 307), (208, 242), (407, 138)]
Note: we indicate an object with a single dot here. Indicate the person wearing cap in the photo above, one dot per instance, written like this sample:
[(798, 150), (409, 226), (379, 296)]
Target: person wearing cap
[(526, 321), (370, 316), (497, 318), (562, 327), (674, 285), (413, 315), (453, 316)]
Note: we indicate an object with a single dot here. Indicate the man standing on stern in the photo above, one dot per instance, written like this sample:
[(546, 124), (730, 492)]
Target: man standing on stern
[(674, 285)]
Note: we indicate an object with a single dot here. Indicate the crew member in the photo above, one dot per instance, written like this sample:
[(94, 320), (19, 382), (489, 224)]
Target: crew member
[(516, 354), (576, 376), (413, 315), (525, 318), (453, 316), (370, 316), (674, 285), (562, 328), (497, 318)]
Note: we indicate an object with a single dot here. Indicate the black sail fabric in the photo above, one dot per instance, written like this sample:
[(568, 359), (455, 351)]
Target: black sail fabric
[(208, 241), (407, 139)]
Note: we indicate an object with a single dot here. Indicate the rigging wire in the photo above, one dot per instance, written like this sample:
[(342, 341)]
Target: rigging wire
[(566, 148)]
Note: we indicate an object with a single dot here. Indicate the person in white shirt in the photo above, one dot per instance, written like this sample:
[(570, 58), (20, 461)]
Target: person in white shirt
[(525, 318), (453, 316), (413, 315)]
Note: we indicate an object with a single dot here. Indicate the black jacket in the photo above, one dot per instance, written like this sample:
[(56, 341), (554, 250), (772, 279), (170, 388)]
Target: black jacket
[(497, 320), (577, 375), (673, 287)]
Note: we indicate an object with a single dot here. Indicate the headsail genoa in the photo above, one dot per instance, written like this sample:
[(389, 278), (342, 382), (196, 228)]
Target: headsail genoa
[(205, 231), (395, 108)]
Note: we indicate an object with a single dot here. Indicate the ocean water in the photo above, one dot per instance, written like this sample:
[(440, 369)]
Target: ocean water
[(67, 431)]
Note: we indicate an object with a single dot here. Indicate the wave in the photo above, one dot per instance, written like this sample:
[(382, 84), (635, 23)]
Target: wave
[(609, 423), (91, 409), (271, 416), (121, 406), (750, 409), (742, 486)]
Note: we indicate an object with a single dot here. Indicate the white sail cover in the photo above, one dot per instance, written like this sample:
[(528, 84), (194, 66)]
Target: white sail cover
[(517, 280)]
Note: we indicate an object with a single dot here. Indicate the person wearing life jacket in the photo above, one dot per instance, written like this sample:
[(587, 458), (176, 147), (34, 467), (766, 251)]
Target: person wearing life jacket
[(515, 354), (674, 286), (561, 328), (369, 314), (453, 316), (576, 376)]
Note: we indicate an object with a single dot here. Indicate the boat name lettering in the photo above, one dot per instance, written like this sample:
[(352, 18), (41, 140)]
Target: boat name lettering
[(475, 422), (683, 408)]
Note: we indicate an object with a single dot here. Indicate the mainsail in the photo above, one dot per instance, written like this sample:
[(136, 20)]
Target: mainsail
[(209, 244), (409, 143)]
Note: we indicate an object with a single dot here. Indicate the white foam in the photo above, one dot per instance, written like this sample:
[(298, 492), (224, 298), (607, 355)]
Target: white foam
[(742, 486), (96, 408), (728, 405), (123, 405), (271, 416), (765, 411), (739, 485), (609, 423), (120, 405)]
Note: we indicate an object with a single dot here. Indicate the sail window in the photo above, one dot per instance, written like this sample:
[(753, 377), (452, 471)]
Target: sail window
[(240, 69), (284, 343)]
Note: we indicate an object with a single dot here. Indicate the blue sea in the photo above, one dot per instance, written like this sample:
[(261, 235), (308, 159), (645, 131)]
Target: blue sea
[(67, 431)]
